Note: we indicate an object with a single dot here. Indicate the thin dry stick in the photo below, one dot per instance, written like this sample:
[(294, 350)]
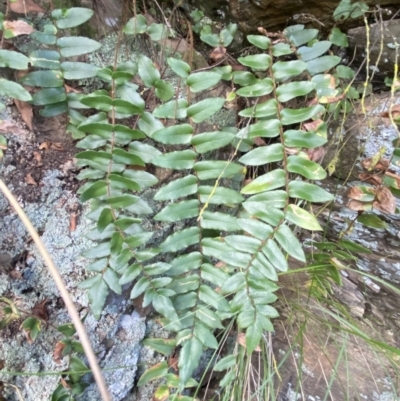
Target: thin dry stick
[(63, 291)]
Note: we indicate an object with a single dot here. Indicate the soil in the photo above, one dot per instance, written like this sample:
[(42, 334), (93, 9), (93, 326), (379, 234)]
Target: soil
[(50, 148)]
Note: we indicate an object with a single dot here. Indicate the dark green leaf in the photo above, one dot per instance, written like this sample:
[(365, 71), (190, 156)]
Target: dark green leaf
[(179, 211), (45, 79), (219, 195), (261, 88), (174, 135), (149, 124), (211, 140), (181, 240), (136, 25), (155, 372), (275, 255), (126, 108), (322, 64), (281, 49), (201, 81), (225, 363), (259, 62), (189, 358), (164, 346), (302, 218), (371, 220), (213, 169), (262, 128), (147, 71), (263, 155), (218, 221), (96, 190), (244, 78), (317, 49), (76, 45), (123, 201), (106, 218), (164, 90), (71, 17), (100, 102), (266, 182), (261, 110), (140, 287), (303, 36), (130, 274), (122, 156), (49, 96), (291, 90), (178, 188), (253, 336), (309, 192), (338, 38), (178, 160), (175, 109), (164, 306), (303, 139), (112, 280), (183, 264), (306, 168), (213, 274), (294, 116), (205, 336), (180, 68), (260, 41), (284, 70), (14, 60), (290, 244), (14, 90), (97, 294), (120, 182), (55, 109), (204, 109), (255, 227)]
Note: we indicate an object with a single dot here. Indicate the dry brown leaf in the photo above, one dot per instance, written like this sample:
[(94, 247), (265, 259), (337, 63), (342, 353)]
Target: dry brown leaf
[(26, 112), (241, 339), (381, 165), (259, 141), (18, 27), (57, 353), (395, 111), (218, 53), (38, 157), (56, 146), (312, 125), (373, 179), (8, 127), (173, 362), (64, 383), (72, 221), (385, 201), (357, 193), (70, 89), (316, 154), (44, 145), (30, 180), (15, 274), (40, 310), (25, 6), (358, 206)]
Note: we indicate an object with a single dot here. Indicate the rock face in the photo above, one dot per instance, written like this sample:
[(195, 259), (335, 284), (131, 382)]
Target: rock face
[(382, 49), (276, 14)]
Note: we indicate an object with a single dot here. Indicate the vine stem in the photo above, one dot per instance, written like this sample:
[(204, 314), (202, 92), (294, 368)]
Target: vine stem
[(63, 292)]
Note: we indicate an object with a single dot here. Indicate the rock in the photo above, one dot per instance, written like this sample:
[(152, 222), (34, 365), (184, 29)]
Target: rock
[(360, 136), (382, 49), (275, 15)]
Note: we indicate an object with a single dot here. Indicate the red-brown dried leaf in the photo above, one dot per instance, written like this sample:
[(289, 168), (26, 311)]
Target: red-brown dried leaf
[(385, 201), (358, 206), (312, 125), (26, 112), (395, 111), (259, 141), (218, 53), (44, 145), (18, 27), (8, 127), (30, 180), (381, 165), (56, 146), (38, 157), (70, 89), (40, 310), (316, 154), (373, 179), (72, 221), (241, 339), (25, 6), (65, 384), (58, 352), (173, 362)]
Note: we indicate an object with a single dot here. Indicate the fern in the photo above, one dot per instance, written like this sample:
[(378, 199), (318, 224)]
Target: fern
[(237, 233), (249, 232)]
